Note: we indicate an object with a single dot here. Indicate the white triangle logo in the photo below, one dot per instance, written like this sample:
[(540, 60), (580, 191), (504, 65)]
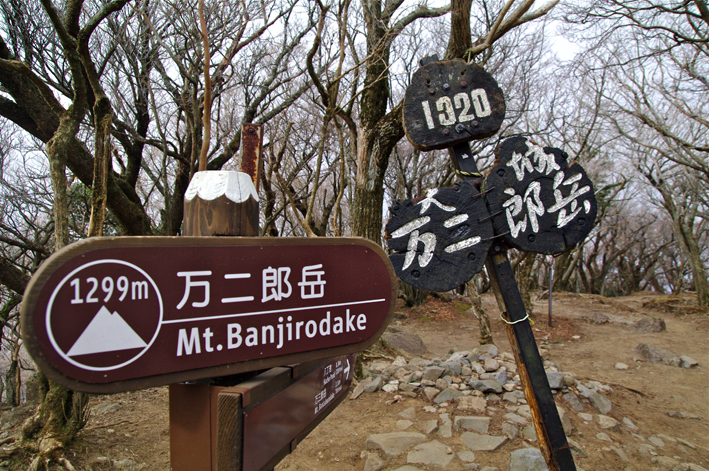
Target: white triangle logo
[(106, 333)]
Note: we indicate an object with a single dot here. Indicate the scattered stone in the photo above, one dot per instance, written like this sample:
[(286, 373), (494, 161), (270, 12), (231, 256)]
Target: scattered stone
[(657, 355), (529, 433), (490, 364), (604, 436), (477, 442), (466, 456), (472, 403), (586, 417), (629, 423), (432, 373), (621, 454), (608, 423), (409, 413), (688, 467), (664, 461), (686, 443), (404, 339), (399, 361), (472, 424), (486, 351), (565, 421), (403, 424), (447, 395), (657, 441), (486, 386), (621, 366), (682, 415), (687, 362), (573, 401), (599, 318), (395, 443), (428, 426), (666, 438), (390, 388), (600, 402), (510, 430), (649, 325), (527, 459), (432, 453), (375, 385), (373, 463), (359, 389), (445, 430), (514, 397), (431, 393), (576, 448), (516, 418), (407, 468), (556, 379)]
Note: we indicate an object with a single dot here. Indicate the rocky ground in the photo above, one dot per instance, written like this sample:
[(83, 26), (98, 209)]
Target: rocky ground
[(632, 391)]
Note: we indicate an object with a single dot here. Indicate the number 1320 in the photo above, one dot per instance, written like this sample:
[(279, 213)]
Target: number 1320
[(471, 106)]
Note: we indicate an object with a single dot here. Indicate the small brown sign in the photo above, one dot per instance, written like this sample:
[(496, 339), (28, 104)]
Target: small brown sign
[(276, 423), (116, 314)]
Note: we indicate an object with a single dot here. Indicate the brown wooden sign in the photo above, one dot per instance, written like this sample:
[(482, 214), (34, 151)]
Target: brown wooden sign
[(120, 313), (450, 102), (539, 202)]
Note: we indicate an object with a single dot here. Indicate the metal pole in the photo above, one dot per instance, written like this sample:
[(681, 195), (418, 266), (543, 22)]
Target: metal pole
[(551, 285)]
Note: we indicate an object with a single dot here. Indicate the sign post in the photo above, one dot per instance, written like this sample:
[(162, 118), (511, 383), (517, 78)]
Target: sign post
[(114, 314), (531, 200)]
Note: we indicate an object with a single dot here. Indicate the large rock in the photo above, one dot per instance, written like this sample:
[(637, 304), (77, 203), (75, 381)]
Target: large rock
[(472, 424), (404, 339), (527, 459), (650, 325), (475, 403), (432, 453), (657, 355), (394, 444), (477, 442)]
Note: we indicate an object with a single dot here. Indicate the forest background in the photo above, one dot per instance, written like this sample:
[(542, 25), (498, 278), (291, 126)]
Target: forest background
[(108, 108)]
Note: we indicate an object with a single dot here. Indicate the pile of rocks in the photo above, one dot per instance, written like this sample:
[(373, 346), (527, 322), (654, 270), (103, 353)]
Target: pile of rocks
[(472, 379), (468, 392)]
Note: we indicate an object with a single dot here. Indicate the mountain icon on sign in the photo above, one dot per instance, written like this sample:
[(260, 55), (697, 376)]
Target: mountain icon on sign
[(106, 333)]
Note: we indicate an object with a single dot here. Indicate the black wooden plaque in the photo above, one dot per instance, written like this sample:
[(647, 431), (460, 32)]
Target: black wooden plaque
[(538, 201), (450, 102), (440, 241)]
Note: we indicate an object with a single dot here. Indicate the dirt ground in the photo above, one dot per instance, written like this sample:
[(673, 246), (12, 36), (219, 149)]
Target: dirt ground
[(130, 431)]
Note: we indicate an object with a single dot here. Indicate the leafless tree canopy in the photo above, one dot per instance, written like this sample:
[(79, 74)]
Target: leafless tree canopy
[(107, 109)]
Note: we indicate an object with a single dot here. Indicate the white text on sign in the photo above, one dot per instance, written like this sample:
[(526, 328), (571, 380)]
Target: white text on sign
[(461, 101)]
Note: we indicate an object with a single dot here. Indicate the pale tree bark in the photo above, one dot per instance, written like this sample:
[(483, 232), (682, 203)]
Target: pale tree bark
[(479, 312)]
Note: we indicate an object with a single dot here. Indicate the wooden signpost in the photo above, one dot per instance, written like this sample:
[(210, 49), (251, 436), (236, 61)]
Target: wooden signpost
[(531, 200), (114, 314)]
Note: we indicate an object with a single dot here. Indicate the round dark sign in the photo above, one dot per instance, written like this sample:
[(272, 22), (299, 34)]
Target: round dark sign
[(440, 241), (539, 202), (451, 102)]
